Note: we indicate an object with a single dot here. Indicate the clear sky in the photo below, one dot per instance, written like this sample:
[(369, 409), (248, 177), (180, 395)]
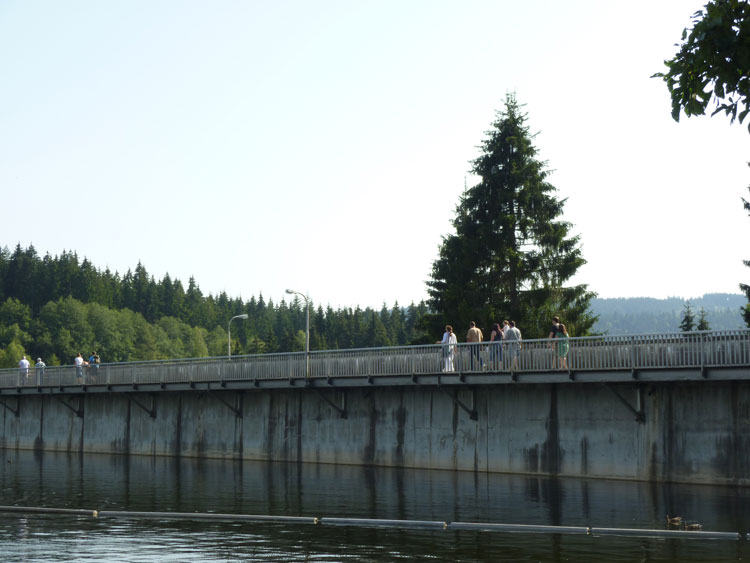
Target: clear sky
[(323, 146)]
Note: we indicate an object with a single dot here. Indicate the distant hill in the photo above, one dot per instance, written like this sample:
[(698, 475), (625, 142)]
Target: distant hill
[(633, 315)]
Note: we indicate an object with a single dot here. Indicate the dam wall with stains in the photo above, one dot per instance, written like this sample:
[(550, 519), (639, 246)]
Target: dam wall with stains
[(692, 431)]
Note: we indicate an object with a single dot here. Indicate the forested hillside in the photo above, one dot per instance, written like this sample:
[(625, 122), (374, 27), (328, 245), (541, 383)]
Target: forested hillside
[(645, 314), (56, 306)]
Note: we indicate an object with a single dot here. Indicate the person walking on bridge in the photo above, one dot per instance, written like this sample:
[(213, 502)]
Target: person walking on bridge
[(79, 362), (39, 369), (496, 348), (94, 362), (513, 337), (474, 336), (562, 346), (449, 343), (23, 368), (553, 334)]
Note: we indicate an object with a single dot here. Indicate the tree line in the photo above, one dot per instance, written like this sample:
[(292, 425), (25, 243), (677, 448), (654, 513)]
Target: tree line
[(56, 306)]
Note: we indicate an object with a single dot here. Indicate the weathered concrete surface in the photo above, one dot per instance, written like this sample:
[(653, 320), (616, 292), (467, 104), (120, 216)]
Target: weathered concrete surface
[(695, 432)]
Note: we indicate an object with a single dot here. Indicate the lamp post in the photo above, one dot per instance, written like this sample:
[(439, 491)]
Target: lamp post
[(229, 333), (307, 329)]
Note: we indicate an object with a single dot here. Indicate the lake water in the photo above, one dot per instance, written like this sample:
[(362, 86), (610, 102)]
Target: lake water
[(133, 483)]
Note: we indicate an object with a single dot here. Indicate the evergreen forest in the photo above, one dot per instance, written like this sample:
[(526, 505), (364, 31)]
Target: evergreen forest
[(56, 306)]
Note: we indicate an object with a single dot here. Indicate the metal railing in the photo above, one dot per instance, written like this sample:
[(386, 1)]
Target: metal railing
[(729, 348)]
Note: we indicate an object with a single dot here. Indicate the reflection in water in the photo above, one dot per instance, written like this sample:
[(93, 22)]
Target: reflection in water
[(162, 484)]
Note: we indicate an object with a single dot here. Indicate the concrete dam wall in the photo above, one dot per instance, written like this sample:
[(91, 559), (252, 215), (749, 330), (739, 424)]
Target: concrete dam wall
[(696, 432)]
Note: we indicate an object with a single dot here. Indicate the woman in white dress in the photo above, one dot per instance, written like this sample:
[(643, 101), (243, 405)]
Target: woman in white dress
[(449, 343)]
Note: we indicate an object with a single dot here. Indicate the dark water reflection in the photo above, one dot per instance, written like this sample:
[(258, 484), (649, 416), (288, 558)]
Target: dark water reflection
[(168, 484)]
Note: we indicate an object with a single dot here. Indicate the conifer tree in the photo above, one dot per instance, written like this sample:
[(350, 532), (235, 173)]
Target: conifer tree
[(376, 335), (511, 254), (4, 263), (319, 330), (743, 286), (688, 318), (703, 321), (193, 302), (127, 293)]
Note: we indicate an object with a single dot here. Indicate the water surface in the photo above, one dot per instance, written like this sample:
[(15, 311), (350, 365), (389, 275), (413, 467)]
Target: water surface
[(137, 483)]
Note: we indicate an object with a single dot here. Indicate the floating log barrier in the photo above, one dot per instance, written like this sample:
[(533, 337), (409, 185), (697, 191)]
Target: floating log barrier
[(383, 523), (489, 527), (45, 510), (207, 516), (665, 533)]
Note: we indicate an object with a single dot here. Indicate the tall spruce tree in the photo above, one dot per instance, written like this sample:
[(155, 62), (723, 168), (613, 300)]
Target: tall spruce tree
[(511, 254)]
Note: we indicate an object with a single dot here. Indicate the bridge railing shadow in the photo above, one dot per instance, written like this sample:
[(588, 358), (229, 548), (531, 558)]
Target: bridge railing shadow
[(658, 351)]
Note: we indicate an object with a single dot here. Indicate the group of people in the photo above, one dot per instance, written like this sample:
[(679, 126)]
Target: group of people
[(24, 366), (507, 333), (94, 360)]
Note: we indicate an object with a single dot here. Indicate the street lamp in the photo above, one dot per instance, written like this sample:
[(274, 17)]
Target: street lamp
[(307, 329), (229, 333)]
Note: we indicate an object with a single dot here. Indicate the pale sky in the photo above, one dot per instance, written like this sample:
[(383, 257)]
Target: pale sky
[(323, 146)]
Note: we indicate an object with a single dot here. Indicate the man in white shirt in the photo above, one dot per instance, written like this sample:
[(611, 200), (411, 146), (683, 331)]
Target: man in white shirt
[(23, 365), (79, 367)]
